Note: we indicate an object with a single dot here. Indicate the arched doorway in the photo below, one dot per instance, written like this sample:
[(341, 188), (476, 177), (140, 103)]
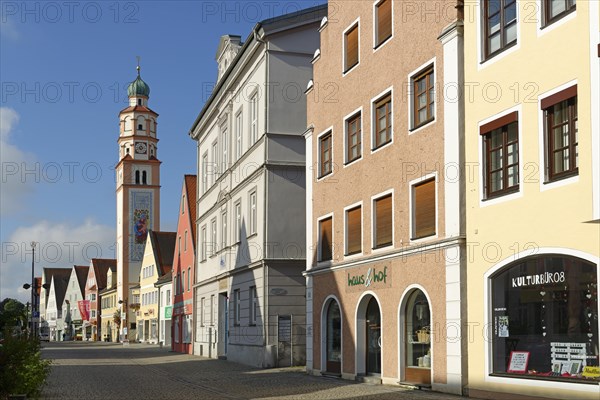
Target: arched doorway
[(332, 323), (368, 336), (417, 334)]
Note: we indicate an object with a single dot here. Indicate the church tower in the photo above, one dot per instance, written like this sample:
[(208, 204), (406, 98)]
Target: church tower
[(138, 193)]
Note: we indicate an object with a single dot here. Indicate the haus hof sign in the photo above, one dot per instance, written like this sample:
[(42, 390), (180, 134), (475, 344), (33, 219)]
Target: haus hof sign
[(376, 276)]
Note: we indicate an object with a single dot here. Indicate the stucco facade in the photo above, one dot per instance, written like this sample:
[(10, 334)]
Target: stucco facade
[(545, 219), (387, 305)]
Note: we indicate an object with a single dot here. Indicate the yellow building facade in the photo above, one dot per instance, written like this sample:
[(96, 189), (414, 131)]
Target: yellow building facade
[(109, 307), (532, 151)]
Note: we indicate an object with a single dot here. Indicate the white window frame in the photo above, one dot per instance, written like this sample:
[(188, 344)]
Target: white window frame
[(224, 149), (376, 47), (253, 304), (483, 63), (236, 306), (319, 239), (238, 221), (325, 132), (354, 23), (212, 309), (202, 305), (203, 243), (362, 228), (374, 221), (213, 233), (215, 162), (411, 207), (359, 110), (410, 94), (239, 135), (253, 119), (223, 244), (185, 236), (253, 211), (390, 91), (204, 167)]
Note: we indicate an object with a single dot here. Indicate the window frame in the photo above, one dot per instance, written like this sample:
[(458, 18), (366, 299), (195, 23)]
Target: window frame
[(348, 209), (253, 211), (374, 246), (239, 135), (346, 69), (547, 20), (202, 308), (238, 220), (224, 134), (320, 220), (203, 243), (215, 162), (327, 135), (502, 123), (347, 147), (205, 172), (374, 106), (253, 304), (236, 307), (423, 73), (487, 55), (377, 44), (253, 120), (214, 237), (412, 206)]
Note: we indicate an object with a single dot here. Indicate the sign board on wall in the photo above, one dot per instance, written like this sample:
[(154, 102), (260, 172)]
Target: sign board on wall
[(373, 277)]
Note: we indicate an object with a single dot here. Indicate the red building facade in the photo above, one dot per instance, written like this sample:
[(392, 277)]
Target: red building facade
[(184, 269), (96, 281)]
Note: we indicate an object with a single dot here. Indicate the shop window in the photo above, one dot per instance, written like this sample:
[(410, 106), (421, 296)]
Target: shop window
[(544, 321), (418, 333), (334, 338)]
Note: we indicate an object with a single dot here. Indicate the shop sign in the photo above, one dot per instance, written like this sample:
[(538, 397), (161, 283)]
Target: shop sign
[(168, 312), (591, 372), (372, 276), (544, 278)]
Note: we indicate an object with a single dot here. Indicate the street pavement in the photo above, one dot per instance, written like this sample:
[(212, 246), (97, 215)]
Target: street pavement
[(94, 370)]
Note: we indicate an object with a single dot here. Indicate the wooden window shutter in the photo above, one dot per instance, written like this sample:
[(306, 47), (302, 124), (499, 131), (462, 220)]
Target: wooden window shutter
[(351, 47), (326, 242), (384, 21), (424, 224), (354, 231), (383, 220)]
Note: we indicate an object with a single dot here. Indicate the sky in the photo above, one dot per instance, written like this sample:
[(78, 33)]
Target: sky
[(64, 70)]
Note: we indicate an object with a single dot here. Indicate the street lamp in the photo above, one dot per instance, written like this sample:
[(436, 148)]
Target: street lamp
[(33, 287)]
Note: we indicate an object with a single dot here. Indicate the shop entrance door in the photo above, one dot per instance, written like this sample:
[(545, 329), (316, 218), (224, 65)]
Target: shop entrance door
[(373, 336), (418, 344), (334, 338)]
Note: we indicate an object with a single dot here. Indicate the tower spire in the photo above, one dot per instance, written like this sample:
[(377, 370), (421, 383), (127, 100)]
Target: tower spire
[(138, 64)]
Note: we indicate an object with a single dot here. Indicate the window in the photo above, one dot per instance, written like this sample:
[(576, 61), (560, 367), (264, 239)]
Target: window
[(202, 310), (350, 48), (168, 300), (325, 239), (253, 119), (353, 230), (224, 151), (179, 245), (238, 221), (556, 9), (182, 203), (561, 134), (501, 155), (93, 313), (204, 173), (423, 101), (223, 229), (189, 287), (253, 216), (212, 308), (185, 235), (137, 177), (144, 181), (546, 306), (325, 155), (383, 121), (238, 136), (424, 212), (182, 282), (353, 138), (215, 162), (383, 219), (203, 244), (253, 298), (236, 306), (383, 21), (213, 243), (500, 25)]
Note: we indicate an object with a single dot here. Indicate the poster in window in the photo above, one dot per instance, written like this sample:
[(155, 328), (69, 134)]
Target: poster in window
[(518, 362), (503, 326)]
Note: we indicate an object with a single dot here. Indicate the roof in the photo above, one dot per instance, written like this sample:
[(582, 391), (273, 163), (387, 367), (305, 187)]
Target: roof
[(165, 279), (138, 87), (82, 273), (101, 267), (163, 244), (289, 21), (190, 182), (61, 281), (139, 108), (49, 273)]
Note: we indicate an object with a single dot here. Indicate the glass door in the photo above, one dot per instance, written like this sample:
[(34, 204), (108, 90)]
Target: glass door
[(418, 343), (373, 338), (334, 338)]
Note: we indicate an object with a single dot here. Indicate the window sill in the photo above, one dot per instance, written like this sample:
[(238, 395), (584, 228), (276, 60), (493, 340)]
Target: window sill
[(497, 195), (381, 146), (489, 57), (251, 235), (324, 175), (429, 236), (546, 378), (557, 18), (421, 125), (383, 246), (562, 177), (350, 162), (350, 69), (382, 43)]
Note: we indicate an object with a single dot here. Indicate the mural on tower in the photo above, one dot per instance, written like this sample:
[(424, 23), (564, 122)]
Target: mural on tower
[(141, 217)]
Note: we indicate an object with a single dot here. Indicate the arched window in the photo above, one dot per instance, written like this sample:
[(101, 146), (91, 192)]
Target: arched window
[(139, 102), (144, 182), (334, 338), (544, 317), (137, 177)]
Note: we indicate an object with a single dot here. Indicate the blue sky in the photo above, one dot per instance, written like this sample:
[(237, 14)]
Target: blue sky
[(64, 67)]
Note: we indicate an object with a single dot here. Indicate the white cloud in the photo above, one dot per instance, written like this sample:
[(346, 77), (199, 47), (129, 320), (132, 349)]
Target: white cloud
[(58, 246), (12, 161)]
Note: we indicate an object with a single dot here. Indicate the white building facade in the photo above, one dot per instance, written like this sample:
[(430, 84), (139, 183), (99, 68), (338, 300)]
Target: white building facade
[(249, 296)]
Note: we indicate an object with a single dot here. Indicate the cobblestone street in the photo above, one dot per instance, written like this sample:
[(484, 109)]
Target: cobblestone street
[(112, 371)]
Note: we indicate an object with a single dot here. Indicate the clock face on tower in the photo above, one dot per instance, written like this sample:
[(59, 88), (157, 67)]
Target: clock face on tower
[(140, 148)]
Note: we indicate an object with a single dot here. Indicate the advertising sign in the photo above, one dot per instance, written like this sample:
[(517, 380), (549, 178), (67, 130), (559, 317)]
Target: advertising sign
[(84, 309)]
